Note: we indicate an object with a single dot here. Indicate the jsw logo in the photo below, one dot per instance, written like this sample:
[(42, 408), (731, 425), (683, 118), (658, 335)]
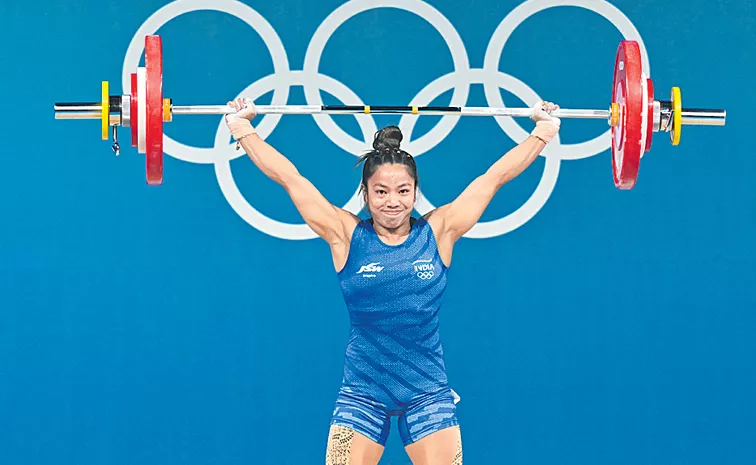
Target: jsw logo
[(371, 268)]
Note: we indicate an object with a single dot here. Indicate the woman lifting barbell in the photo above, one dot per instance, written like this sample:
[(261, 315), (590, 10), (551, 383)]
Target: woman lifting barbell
[(392, 269)]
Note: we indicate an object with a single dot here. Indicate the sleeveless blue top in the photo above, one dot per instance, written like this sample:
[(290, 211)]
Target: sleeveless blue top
[(393, 294)]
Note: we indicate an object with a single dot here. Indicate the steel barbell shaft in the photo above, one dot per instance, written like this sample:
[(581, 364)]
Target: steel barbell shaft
[(690, 116), (703, 117), (92, 108), (361, 109), (79, 115)]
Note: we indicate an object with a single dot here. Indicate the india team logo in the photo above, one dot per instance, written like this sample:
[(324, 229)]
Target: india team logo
[(424, 269)]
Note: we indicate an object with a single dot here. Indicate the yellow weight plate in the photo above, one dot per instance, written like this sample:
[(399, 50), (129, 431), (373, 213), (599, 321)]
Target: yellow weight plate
[(105, 111), (674, 134), (614, 120), (167, 116)]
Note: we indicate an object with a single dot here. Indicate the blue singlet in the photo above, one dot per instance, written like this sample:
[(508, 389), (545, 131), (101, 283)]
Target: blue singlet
[(394, 362)]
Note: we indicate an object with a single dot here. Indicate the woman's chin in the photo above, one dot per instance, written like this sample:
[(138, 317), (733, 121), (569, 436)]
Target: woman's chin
[(392, 221)]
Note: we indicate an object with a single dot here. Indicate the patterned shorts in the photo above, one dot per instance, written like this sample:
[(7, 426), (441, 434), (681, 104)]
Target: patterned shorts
[(425, 415)]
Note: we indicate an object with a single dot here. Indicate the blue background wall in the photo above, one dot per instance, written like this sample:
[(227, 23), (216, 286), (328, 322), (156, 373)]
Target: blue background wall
[(157, 325)]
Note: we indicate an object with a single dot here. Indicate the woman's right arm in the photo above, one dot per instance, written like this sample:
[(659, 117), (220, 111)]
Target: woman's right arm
[(333, 224)]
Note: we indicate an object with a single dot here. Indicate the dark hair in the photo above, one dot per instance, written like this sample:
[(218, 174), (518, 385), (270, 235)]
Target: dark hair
[(386, 150)]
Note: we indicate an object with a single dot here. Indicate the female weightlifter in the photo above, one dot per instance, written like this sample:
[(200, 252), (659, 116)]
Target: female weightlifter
[(393, 270)]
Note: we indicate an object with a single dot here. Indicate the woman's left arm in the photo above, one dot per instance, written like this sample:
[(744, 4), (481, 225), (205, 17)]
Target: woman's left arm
[(453, 220)]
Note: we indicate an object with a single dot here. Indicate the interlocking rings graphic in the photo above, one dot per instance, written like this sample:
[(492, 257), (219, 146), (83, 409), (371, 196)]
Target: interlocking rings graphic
[(425, 274), (313, 82)]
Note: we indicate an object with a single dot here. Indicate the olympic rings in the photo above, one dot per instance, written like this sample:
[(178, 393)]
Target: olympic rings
[(425, 274), (313, 81)]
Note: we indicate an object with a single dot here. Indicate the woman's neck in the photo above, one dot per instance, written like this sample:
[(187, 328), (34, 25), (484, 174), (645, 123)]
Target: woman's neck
[(393, 236)]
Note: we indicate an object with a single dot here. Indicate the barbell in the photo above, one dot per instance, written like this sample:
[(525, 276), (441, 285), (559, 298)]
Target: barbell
[(634, 114)]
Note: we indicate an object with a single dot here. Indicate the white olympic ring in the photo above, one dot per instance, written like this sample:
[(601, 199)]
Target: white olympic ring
[(237, 9), (425, 274), (223, 164), (313, 81), (418, 7), (507, 27), (551, 168)]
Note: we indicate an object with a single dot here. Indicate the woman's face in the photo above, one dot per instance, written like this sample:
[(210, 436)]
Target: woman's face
[(390, 195)]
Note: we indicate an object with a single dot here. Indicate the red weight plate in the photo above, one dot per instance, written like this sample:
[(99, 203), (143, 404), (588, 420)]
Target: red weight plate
[(650, 118), (153, 62), (134, 113), (627, 91)]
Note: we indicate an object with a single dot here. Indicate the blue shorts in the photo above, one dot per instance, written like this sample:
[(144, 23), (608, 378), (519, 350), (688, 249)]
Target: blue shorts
[(423, 416)]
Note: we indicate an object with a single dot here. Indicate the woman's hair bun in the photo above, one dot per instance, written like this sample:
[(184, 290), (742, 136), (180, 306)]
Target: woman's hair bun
[(389, 137)]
